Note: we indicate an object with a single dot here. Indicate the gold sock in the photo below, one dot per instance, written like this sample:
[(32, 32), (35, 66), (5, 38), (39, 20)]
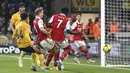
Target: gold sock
[(41, 59), (35, 58)]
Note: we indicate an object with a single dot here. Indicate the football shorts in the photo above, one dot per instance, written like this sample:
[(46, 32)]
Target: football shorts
[(47, 44)]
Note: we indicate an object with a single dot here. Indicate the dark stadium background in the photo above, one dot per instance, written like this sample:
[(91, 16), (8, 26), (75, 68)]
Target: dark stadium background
[(90, 9)]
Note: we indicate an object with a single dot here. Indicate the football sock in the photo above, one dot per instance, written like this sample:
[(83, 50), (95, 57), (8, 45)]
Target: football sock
[(35, 58), (85, 53), (41, 59), (56, 57), (73, 51), (64, 54), (49, 58)]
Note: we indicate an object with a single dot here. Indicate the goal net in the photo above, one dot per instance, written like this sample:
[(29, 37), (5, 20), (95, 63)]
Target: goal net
[(115, 17)]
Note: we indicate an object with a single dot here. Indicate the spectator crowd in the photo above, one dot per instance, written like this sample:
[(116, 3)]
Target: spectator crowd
[(9, 7)]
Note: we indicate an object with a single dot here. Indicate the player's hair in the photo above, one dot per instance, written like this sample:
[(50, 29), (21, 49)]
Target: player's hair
[(24, 16), (78, 14), (38, 10), (21, 4), (65, 10)]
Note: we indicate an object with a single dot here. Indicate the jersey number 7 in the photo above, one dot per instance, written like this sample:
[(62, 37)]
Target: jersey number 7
[(60, 21)]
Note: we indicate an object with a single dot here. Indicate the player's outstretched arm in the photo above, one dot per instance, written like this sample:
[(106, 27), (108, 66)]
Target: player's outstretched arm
[(44, 31), (12, 22), (11, 26), (84, 35), (74, 33), (36, 49)]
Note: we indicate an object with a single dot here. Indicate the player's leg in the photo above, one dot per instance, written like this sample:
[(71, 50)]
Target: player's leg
[(20, 59), (49, 58), (42, 65), (40, 57), (65, 53), (56, 58), (63, 57), (75, 51), (83, 49), (47, 45), (30, 50), (35, 59), (66, 47)]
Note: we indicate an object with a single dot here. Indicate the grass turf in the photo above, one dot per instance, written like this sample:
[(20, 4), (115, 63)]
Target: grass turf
[(8, 64)]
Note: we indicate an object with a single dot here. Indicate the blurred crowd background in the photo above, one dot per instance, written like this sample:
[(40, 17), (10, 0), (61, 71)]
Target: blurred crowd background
[(90, 17), (9, 7)]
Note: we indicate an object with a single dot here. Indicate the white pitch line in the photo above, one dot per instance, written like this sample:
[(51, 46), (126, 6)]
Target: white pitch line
[(71, 63)]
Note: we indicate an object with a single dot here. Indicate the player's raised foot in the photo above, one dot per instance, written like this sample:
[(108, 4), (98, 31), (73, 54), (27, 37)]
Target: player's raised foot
[(43, 70), (91, 61), (55, 68), (47, 68), (60, 66), (33, 68), (76, 60), (20, 62)]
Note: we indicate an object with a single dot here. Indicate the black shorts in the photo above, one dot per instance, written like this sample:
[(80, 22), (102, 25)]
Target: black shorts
[(27, 49)]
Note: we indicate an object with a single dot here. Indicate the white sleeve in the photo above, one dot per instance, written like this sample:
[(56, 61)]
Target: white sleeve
[(68, 27), (73, 25), (40, 23), (51, 20)]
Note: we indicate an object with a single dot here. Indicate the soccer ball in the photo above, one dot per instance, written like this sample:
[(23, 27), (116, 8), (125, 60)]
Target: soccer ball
[(107, 48)]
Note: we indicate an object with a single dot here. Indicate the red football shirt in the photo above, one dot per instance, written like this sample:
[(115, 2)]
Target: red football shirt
[(38, 23), (59, 23), (77, 26)]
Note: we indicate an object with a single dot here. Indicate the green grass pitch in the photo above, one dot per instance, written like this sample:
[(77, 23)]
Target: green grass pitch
[(8, 64)]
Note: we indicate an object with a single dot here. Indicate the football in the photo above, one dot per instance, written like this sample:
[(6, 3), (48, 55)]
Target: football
[(107, 48)]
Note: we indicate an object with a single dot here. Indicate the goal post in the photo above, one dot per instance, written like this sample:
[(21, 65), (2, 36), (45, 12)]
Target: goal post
[(102, 32), (115, 30)]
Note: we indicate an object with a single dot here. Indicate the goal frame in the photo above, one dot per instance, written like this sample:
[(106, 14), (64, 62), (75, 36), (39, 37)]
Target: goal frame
[(103, 32), (103, 59)]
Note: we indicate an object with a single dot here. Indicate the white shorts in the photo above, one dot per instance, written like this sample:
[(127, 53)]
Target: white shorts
[(79, 43), (73, 45), (63, 44), (47, 44)]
